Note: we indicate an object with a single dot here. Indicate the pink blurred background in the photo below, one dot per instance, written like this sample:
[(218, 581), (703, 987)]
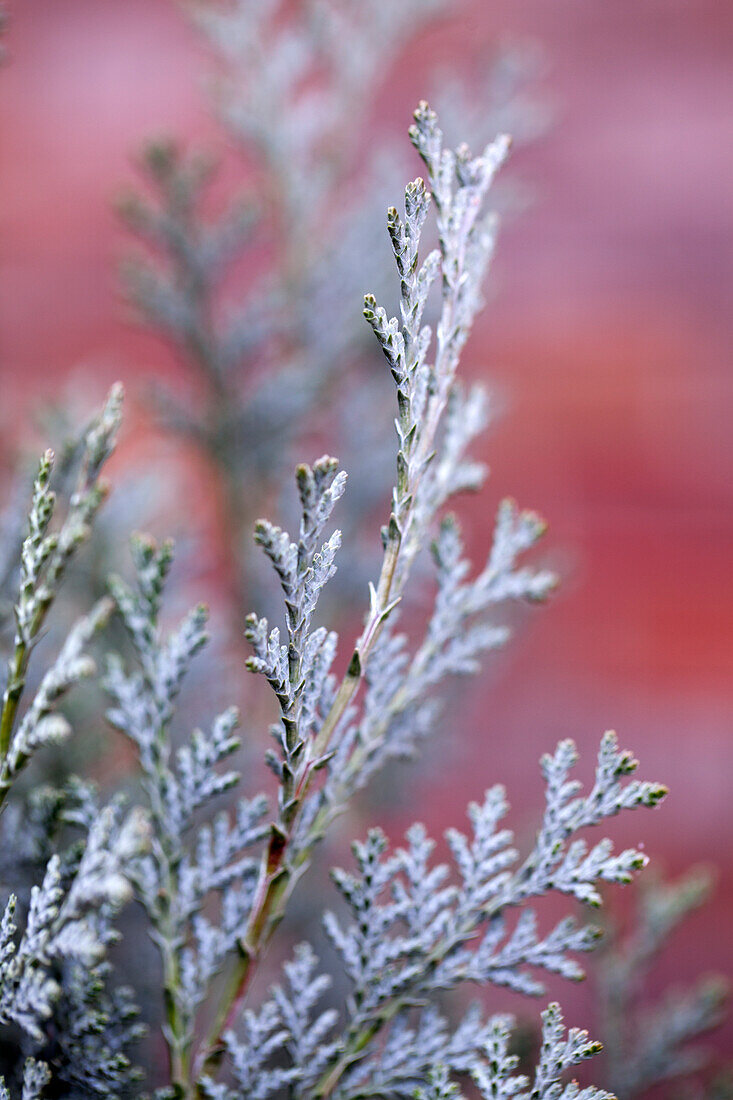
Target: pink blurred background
[(609, 332)]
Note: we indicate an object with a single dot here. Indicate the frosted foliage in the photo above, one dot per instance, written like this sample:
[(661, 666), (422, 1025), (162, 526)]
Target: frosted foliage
[(213, 866), (419, 928)]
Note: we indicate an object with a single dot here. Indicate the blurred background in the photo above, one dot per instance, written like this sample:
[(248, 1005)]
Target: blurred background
[(606, 339)]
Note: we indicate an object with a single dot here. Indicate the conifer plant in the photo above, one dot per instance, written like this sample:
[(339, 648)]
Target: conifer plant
[(214, 869)]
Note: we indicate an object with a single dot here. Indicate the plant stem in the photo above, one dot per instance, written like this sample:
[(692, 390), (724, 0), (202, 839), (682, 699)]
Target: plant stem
[(17, 670), (13, 692), (177, 1042)]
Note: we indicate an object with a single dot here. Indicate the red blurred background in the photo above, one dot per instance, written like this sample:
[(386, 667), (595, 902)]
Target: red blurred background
[(609, 332)]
